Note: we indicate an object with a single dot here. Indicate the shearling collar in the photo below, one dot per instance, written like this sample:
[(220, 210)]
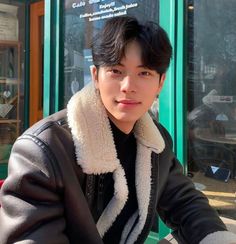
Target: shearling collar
[(95, 148), (96, 154)]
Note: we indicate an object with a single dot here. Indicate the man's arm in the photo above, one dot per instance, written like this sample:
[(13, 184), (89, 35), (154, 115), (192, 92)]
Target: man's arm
[(31, 210), (185, 209)]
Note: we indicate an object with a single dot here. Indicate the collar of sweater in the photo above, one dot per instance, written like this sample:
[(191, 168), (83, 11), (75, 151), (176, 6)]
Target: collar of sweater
[(125, 145), (96, 154)]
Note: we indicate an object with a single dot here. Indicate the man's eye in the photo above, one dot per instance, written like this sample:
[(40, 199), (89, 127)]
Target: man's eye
[(116, 71), (144, 73)]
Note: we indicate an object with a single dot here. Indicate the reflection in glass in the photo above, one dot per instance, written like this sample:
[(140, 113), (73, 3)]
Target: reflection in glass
[(12, 36), (212, 100)]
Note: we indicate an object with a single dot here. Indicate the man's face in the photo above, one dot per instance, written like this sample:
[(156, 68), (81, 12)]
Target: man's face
[(128, 89)]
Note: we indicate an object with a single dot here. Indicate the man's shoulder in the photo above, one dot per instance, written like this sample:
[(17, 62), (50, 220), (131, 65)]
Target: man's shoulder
[(51, 133), (53, 121)]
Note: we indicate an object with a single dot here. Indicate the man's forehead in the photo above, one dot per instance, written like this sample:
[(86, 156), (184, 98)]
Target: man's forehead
[(133, 50)]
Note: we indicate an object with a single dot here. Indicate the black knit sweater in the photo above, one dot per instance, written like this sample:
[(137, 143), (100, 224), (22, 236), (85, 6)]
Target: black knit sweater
[(126, 152)]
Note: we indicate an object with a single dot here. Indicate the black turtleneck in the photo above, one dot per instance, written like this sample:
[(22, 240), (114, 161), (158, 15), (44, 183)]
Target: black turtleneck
[(126, 153)]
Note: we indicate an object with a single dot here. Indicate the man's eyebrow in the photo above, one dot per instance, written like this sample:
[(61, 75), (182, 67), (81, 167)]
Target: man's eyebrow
[(121, 64), (142, 66)]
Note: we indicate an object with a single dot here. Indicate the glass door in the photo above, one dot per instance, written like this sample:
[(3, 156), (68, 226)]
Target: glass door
[(212, 101)]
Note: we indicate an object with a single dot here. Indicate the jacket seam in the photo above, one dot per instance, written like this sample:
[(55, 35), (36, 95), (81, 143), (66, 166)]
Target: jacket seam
[(48, 124)]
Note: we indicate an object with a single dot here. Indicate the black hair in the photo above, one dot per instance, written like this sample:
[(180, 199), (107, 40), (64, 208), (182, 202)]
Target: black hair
[(108, 46)]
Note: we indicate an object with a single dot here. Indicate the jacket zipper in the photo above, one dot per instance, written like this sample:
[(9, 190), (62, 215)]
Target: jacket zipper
[(89, 190), (100, 198)]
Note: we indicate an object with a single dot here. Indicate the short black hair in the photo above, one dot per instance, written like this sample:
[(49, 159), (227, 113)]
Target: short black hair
[(108, 46)]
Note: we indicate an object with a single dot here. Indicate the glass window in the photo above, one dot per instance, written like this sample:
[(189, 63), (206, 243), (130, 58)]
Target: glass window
[(212, 101), (82, 20), (12, 38)]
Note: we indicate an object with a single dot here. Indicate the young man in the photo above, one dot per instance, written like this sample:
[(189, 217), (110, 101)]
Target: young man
[(99, 171)]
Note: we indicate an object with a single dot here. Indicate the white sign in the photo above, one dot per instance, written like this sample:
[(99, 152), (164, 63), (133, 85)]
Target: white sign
[(106, 10), (8, 22)]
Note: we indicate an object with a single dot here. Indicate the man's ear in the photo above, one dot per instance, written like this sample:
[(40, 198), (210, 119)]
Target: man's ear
[(161, 82), (94, 75)]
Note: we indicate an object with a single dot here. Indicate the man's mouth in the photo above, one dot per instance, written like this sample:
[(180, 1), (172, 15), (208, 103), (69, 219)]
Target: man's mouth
[(128, 101)]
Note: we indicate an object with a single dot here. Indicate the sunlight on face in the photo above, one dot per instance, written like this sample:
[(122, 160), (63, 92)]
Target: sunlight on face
[(127, 89)]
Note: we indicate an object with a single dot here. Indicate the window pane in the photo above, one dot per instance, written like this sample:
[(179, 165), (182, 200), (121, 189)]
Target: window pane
[(212, 100), (12, 38)]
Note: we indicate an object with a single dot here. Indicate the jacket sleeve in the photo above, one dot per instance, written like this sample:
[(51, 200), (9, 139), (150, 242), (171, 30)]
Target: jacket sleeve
[(185, 209), (31, 210)]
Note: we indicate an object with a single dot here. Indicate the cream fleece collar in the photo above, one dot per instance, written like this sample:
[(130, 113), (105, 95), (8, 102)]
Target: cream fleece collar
[(95, 148)]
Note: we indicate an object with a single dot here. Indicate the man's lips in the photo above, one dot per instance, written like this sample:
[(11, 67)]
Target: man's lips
[(128, 101)]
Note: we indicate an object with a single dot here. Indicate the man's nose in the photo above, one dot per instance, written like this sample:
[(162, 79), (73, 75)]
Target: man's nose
[(128, 84)]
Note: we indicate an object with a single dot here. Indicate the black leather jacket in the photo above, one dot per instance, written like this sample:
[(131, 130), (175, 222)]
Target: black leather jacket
[(47, 196)]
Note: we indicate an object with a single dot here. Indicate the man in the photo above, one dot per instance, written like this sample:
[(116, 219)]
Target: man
[(99, 171)]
